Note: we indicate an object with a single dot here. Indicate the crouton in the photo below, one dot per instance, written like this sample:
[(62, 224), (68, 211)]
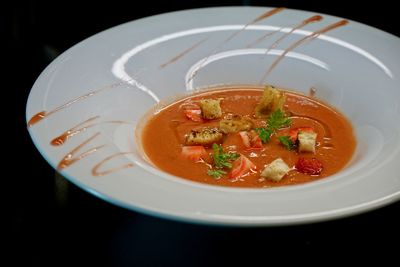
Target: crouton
[(210, 108), (204, 137), (307, 141), (235, 124), (271, 100), (275, 170)]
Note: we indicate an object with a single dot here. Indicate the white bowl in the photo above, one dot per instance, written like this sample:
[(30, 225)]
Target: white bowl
[(355, 68)]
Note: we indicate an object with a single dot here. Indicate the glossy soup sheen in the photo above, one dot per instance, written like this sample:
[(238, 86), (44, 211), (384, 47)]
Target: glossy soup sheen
[(164, 136)]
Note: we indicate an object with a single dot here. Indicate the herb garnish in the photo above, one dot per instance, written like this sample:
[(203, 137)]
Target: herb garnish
[(286, 142), (276, 121), (216, 173), (264, 134), (221, 160)]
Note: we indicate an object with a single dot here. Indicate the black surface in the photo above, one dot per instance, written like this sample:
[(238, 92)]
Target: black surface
[(52, 222)]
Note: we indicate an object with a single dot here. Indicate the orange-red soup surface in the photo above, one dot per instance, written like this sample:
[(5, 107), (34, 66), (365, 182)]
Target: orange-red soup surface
[(164, 136)]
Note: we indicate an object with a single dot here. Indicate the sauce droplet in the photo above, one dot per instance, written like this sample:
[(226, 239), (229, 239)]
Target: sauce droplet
[(36, 118), (60, 140), (267, 14), (313, 19)]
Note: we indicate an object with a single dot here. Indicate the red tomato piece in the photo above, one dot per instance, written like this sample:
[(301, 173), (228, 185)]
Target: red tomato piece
[(251, 140), (245, 139), (309, 166), (256, 142), (194, 153), (193, 114), (241, 167)]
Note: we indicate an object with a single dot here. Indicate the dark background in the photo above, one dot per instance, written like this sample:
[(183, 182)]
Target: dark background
[(52, 222)]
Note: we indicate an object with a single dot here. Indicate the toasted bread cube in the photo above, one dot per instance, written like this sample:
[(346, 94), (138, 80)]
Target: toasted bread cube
[(271, 100), (235, 124), (205, 137), (307, 141), (210, 108), (275, 170)]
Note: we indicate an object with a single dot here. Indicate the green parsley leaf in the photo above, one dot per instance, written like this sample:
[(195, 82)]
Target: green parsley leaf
[(276, 121), (264, 134), (286, 142), (216, 173), (221, 158)]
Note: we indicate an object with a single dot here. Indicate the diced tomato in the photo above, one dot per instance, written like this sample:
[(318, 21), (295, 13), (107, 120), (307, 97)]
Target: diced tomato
[(251, 140), (193, 114), (309, 166), (245, 139), (194, 153), (256, 142), (293, 133), (241, 167)]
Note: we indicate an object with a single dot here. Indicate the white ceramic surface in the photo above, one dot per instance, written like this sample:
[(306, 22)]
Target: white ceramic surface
[(355, 68)]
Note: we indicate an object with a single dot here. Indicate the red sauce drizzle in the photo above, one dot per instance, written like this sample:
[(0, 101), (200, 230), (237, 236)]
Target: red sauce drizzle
[(314, 18), (234, 34), (301, 25), (267, 14), (262, 38), (71, 157), (96, 172), (259, 18), (301, 41), (44, 114), (61, 139), (180, 55)]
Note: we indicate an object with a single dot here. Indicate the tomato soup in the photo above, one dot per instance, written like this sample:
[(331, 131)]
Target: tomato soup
[(310, 138)]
